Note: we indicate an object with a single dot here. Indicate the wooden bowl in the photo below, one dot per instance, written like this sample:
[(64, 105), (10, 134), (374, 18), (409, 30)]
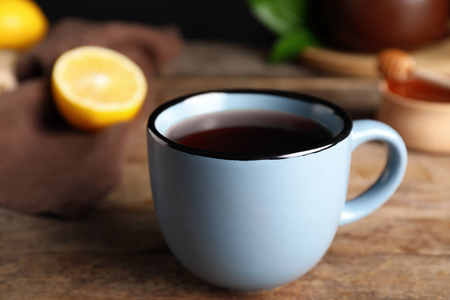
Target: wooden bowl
[(419, 113)]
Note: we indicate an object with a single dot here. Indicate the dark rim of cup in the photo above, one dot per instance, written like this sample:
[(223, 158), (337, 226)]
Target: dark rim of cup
[(348, 124)]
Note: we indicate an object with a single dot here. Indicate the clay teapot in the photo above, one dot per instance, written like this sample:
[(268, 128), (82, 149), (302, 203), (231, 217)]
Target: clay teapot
[(372, 25)]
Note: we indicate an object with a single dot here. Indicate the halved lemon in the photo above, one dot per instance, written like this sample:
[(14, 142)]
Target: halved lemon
[(95, 87)]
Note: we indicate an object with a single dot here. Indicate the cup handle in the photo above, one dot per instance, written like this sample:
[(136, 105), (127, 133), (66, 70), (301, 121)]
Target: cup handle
[(364, 204)]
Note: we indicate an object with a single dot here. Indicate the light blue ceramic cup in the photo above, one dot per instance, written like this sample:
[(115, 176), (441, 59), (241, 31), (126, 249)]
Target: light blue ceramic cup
[(254, 223)]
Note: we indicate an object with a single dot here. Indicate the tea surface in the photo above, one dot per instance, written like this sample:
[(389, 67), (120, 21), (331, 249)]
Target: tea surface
[(246, 132)]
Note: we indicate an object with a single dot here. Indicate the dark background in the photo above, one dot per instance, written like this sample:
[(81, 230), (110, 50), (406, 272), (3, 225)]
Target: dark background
[(227, 20)]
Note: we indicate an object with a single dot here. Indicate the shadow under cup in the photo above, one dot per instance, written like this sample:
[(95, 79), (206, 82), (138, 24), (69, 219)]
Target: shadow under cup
[(253, 222)]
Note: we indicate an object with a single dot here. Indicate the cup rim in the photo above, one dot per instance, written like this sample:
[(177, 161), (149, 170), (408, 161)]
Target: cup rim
[(345, 132)]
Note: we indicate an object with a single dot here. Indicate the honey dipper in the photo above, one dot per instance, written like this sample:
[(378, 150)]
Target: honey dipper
[(398, 65)]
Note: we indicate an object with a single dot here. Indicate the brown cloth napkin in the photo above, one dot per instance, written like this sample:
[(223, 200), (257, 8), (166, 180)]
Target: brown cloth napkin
[(47, 167)]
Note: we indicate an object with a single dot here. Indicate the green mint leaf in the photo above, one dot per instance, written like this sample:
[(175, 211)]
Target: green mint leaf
[(291, 44), (280, 16)]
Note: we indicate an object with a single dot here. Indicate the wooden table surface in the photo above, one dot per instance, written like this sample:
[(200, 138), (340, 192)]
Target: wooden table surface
[(402, 251)]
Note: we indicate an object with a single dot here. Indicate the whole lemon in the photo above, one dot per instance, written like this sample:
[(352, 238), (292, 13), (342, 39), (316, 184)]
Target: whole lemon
[(22, 24)]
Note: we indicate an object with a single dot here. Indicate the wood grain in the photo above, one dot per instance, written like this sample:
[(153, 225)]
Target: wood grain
[(402, 251)]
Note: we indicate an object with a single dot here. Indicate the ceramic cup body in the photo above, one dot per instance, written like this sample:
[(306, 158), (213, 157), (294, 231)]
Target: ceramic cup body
[(255, 223)]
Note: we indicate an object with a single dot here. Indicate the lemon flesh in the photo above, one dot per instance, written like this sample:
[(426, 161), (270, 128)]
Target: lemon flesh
[(95, 87)]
